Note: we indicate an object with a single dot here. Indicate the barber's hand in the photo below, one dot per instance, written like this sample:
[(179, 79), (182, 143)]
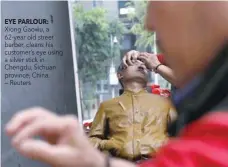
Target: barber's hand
[(151, 61), (64, 144), (130, 57)]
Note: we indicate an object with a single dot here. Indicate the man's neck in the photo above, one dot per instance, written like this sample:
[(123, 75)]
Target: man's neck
[(134, 86)]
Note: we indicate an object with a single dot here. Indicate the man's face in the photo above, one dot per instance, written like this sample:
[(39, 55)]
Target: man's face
[(138, 71), (186, 35)]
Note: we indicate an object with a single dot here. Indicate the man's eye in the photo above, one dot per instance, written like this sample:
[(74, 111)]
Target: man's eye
[(139, 59), (123, 68)]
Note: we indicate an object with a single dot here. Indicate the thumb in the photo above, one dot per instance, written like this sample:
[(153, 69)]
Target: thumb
[(44, 152)]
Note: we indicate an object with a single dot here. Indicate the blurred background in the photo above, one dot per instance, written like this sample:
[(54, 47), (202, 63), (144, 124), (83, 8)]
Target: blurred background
[(104, 32)]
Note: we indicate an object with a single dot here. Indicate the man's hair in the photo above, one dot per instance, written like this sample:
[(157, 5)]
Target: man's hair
[(119, 70)]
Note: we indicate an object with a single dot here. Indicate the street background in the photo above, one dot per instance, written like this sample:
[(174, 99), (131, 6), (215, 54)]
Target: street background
[(104, 32)]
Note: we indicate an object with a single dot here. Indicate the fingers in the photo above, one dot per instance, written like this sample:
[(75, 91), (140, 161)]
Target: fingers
[(40, 127), (149, 60), (44, 152), (69, 140), (24, 117), (75, 134), (148, 56), (37, 149), (144, 56), (130, 57), (125, 60), (48, 128), (139, 62)]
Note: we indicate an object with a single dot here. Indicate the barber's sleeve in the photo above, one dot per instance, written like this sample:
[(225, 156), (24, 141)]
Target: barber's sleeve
[(96, 135)]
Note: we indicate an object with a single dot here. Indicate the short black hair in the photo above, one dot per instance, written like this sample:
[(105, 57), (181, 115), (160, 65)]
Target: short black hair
[(121, 67), (119, 70)]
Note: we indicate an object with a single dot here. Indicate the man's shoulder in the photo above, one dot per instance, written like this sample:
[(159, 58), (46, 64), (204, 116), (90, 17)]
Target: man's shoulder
[(158, 98), (151, 95), (109, 102)]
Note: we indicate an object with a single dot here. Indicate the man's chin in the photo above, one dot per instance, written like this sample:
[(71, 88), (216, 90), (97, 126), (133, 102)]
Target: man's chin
[(141, 78)]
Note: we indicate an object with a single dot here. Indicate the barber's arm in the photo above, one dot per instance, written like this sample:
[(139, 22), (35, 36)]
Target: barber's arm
[(155, 65), (167, 73)]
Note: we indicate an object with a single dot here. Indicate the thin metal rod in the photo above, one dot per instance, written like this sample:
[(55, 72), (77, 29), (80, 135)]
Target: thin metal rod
[(155, 52), (75, 64)]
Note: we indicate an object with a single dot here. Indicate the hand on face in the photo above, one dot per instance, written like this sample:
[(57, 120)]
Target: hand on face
[(64, 144), (150, 60), (130, 57)]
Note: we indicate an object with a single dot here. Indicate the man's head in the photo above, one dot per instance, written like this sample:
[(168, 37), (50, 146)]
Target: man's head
[(190, 33), (135, 73)]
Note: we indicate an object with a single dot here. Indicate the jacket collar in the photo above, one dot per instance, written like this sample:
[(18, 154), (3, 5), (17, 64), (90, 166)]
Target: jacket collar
[(129, 92), (203, 94)]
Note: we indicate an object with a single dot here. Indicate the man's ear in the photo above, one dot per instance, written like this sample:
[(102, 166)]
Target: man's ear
[(119, 76)]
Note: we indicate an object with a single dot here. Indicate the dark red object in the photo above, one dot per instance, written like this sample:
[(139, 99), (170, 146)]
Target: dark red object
[(156, 91), (155, 86), (87, 124), (165, 92), (204, 143), (161, 58)]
